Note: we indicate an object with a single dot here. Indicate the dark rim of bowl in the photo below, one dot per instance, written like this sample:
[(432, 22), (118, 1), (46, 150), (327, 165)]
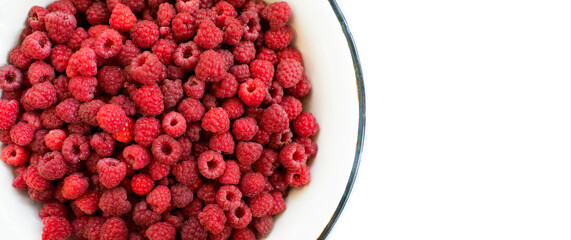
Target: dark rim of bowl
[(361, 136)]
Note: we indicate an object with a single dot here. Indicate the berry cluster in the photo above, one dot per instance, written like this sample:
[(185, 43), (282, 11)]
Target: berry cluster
[(157, 119)]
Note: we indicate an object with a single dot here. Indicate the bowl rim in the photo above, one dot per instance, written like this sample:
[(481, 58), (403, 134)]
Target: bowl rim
[(362, 119)]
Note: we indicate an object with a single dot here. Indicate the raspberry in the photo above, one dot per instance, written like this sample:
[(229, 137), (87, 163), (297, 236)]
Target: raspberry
[(172, 91), (61, 86), (56, 228), (88, 202), (254, 112), (226, 87), (39, 72), (193, 131), (280, 139), (149, 100), (237, 3), (114, 228), (228, 197), (10, 78), (158, 171), (136, 156), (39, 96), (263, 70), (36, 45), (234, 107), (251, 22), (79, 225), (208, 35), (239, 217), (63, 6), (97, 14), (203, 14), (36, 18), (185, 172), (111, 172), (207, 192), (147, 69), (298, 177), (164, 49), (83, 88), (83, 62), (292, 106), (212, 218), (108, 43), (279, 204), (142, 184), (231, 175), (68, 110), (114, 202), (135, 5), (75, 147), (279, 38), (305, 125), (267, 162), (252, 92), (244, 128), (60, 56), (144, 217), (87, 112), (186, 55), (310, 146), (102, 143), (261, 204), (266, 54), (18, 182), (125, 103), (274, 119), (74, 186), (52, 166), (111, 118), (216, 120), (181, 195), (22, 134), (277, 14), (275, 94), (293, 156), (146, 130), (8, 113), (191, 109), (77, 38), (263, 226), (223, 142), (252, 184), (122, 18), (125, 134), (159, 199), (93, 227), (161, 231), (175, 218), (43, 195), (192, 209), (248, 152), (50, 120), (127, 53), (53, 209), (189, 6), (111, 79), (182, 26), (166, 150), (174, 124), (60, 26), (165, 14), (244, 52), (38, 144), (210, 66), (223, 10), (211, 164), (233, 31), (15, 155)]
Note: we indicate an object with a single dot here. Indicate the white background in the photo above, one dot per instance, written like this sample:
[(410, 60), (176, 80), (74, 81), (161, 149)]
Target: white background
[(468, 120)]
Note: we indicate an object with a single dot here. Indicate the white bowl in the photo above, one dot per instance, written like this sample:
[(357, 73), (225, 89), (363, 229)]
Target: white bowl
[(337, 101)]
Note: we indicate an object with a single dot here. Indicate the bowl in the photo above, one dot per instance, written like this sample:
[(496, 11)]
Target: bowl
[(337, 101)]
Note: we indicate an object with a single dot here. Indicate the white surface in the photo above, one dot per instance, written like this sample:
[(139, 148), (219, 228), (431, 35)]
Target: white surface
[(468, 122)]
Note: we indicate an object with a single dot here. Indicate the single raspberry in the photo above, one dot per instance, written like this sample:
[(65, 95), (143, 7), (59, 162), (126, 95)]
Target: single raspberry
[(136, 156), (225, 234), (81, 5), (159, 199), (240, 216), (145, 34), (102, 143), (68, 110), (111, 79), (267, 162), (192, 209), (192, 229), (211, 164), (97, 13), (125, 134), (158, 171), (245, 129), (186, 172), (75, 147), (309, 145), (63, 6), (279, 204), (252, 92), (279, 38), (280, 139), (165, 14), (36, 46), (144, 217), (298, 177), (231, 175), (77, 38), (93, 227), (22, 134), (60, 56), (43, 195), (248, 152), (149, 99), (79, 226), (142, 184), (244, 52), (251, 22), (223, 10), (203, 14), (122, 18), (56, 228), (19, 182), (263, 70), (261, 204), (164, 49), (15, 155), (210, 66), (114, 229), (111, 118), (50, 120), (87, 112), (212, 218), (39, 96), (207, 192), (266, 54), (186, 55), (114, 202), (174, 218), (181, 195), (252, 184), (182, 26), (254, 112), (223, 142), (34, 180), (53, 209), (234, 107), (290, 53), (147, 69), (226, 87), (277, 14), (38, 144), (8, 113), (88, 202), (74, 186), (187, 6), (275, 94), (194, 88), (135, 5), (172, 91), (83, 62), (36, 18), (208, 35), (228, 197), (293, 156), (216, 120), (108, 43), (191, 109), (60, 26), (166, 150), (292, 106), (263, 226), (209, 101), (83, 88), (111, 172), (233, 31), (39, 72), (146, 130), (274, 119), (305, 125), (10, 78), (32, 118), (52, 166), (127, 53), (61, 86), (289, 73), (161, 231), (174, 124)]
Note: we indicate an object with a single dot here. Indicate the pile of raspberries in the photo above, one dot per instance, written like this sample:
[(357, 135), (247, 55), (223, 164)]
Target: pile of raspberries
[(157, 119)]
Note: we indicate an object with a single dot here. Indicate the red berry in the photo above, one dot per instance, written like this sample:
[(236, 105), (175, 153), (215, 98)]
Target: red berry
[(122, 18), (142, 184), (60, 26), (111, 172), (111, 118), (56, 228), (159, 199)]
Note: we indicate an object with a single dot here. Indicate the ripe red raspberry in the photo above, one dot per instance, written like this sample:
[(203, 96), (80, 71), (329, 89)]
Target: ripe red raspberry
[(15, 155), (192, 210), (114, 228), (88, 202), (36, 46), (210, 66), (172, 91), (263, 226), (194, 88), (211, 164), (290, 53), (266, 54), (174, 124), (122, 18), (68, 110), (114, 202), (61, 86), (161, 231), (207, 192), (252, 92), (166, 150), (234, 107), (226, 87), (108, 43), (274, 119), (77, 38), (208, 35), (191, 109), (289, 72), (33, 119), (145, 34), (63, 6), (53, 209), (39, 72), (228, 197), (22, 133), (231, 175), (36, 18), (292, 106), (164, 49), (248, 152), (299, 177), (39, 96), (252, 184), (38, 144), (87, 112), (83, 88), (18, 182), (277, 14), (111, 172), (142, 184), (149, 100), (159, 199), (274, 95), (279, 38), (305, 125), (34, 180), (144, 217), (181, 195), (60, 26), (43, 195), (10, 78), (56, 228), (75, 147), (146, 130), (74, 186), (188, 6), (135, 5), (261, 204), (111, 79), (244, 129), (267, 162), (293, 156), (102, 143), (263, 70), (93, 227), (50, 120), (125, 134), (251, 22), (310, 146), (239, 217), (165, 14), (223, 142), (244, 52), (136, 156), (186, 55), (233, 31), (182, 26), (111, 118), (216, 120), (8, 113), (212, 218), (79, 225), (83, 62), (127, 53), (223, 10), (279, 204), (60, 56), (147, 69), (52, 166), (97, 13), (186, 172)]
